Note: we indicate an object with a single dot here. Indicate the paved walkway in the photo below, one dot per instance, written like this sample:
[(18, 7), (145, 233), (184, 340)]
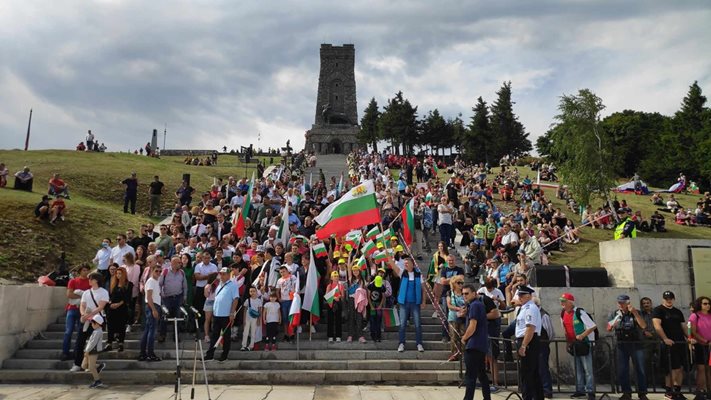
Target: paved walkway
[(228, 392)]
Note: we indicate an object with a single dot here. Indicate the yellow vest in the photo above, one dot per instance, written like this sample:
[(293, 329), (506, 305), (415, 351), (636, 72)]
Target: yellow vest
[(621, 227)]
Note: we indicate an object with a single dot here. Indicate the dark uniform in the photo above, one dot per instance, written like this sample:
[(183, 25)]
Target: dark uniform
[(527, 316)]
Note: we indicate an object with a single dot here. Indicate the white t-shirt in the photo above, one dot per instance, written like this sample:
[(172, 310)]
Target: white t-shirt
[(100, 295), (272, 309), (443, 217), (117, 253), (204, 269), (286, 286), (494, 295), (153, 285)]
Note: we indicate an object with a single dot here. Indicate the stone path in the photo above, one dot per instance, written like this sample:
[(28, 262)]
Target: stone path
[(332, 165)]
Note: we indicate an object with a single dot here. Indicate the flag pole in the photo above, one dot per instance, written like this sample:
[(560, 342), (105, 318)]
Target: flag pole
[(29, 124)]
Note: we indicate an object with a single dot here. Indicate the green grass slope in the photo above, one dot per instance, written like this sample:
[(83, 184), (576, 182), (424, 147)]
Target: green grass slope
[(29, 248)]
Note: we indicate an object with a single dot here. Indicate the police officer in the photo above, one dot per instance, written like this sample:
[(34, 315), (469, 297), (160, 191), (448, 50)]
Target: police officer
[(626, 228), (528, 330)]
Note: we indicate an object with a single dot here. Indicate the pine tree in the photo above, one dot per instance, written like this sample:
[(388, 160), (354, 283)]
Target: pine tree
[(398, 123), (369, 132), (478, 140), (508, 134)]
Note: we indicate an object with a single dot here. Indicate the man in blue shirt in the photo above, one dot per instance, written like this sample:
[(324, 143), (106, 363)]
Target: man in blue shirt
[(223, 314), (410, 300), (475, 341)]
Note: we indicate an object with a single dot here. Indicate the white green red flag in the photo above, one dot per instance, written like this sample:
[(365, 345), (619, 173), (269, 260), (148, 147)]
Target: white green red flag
[(241, 217), (373, 232), (295, 309), (320, 250), (353, 238), (408, 221), (381, 256), (391, 317), (369, 247), (283, 232), (331, 294), (361, 263), (311, 300), (356, 208)]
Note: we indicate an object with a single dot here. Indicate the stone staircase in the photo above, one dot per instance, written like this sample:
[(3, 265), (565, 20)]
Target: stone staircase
[(332, 166)]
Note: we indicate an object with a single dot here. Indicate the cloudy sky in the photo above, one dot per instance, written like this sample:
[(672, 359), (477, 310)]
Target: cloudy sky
[(218, 72)]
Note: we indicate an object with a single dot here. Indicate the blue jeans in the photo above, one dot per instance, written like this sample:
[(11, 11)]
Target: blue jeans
[(584, 373), (72, 324), (407, 310), (544, 369), (625, 351), (149, 333), (445, 234)]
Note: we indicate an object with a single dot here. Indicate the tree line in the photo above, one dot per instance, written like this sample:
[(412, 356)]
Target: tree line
[(493, 131), (655, 146)]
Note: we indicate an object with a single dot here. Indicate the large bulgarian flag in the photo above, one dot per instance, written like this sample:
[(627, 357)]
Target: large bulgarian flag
[(355, 209), (244, 211), (311, 299), (408, 221)]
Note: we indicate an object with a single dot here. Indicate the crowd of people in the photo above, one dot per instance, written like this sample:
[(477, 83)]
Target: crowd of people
[(241, 251)]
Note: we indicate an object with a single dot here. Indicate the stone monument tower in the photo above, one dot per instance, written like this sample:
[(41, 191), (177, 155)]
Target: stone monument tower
[(336, 120)]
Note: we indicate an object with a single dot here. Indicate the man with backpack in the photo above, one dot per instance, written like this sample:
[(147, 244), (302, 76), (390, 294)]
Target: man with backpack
[(627, 323), (579, 330), (174, 292)]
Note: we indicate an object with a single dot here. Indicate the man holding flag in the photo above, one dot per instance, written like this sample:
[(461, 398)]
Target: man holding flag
[(223, 315)]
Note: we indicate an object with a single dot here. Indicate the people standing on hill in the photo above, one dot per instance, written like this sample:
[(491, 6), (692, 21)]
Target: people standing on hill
[(155, 191), (131, 193), (89, 140)]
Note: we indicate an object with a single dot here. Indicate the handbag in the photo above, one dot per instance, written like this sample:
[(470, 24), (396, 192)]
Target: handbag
[(578, 348), (252, 312)]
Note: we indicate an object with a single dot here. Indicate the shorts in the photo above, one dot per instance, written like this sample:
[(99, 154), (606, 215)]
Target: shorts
[(673, 357), (701, 354), (479, 242), (208, 305)]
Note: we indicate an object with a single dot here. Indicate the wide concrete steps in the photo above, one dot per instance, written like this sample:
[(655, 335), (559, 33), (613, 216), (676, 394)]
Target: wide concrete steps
[(270, 377)]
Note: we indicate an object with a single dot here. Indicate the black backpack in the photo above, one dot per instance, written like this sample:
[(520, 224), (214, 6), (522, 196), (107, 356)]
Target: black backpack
[(578, 311)]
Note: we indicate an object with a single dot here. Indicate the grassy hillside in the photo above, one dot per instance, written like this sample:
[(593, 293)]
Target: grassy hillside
[(29, 248), (586, 253)]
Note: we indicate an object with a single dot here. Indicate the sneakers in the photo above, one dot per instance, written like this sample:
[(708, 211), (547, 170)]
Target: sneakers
[(642, 396), (578, 395), (313, 329), (75, 368), (143, 357), (120, 348), (108, 347), (338, 340), (245, 349), (679, 396), (222, 359), (97, 385), (493, 389), (128, 328), (434, 314), (330, 340), (400, 348), (350, 339), (153, 358), (266, 347), (64, 357), (274, 347), (626, 396), (100, 367), (420, 348), (362, 340)]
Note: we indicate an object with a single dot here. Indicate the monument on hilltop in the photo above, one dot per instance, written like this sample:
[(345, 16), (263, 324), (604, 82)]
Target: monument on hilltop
[(336, 120)]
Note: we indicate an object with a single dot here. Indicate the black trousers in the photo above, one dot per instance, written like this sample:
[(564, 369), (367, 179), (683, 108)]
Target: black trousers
[(81, 342), (218, 324), (116, 321), (129, 199), (334, 318), (476, 368), (530, 375), (199, 303)]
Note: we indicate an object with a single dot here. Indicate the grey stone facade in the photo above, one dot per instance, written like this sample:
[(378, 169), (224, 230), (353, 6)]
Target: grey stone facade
[(336, 118)]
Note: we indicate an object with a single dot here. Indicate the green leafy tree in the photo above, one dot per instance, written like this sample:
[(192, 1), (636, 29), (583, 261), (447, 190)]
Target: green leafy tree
[(369, 132), (435, 130), (583, 147), (544, 144), (508, 134)]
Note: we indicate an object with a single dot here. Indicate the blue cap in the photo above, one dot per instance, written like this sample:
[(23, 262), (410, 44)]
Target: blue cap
[(623, 297)]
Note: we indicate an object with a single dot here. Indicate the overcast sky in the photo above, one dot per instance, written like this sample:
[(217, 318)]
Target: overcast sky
[(219, 72)]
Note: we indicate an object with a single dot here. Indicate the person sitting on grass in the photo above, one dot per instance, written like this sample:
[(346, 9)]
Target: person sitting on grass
[(24, 179), (58, 209), (684, 218), (42, 209), (57, 186)]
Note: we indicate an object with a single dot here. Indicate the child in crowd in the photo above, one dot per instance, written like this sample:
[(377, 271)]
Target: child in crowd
[(94, 346), (253, 311), (271, 315)]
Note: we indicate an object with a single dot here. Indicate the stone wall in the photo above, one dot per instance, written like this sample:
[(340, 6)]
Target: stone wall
[(24, 312)]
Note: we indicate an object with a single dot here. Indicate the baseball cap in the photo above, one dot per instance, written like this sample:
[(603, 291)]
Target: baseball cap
[(623, 298), (567, 297), (225, 270), (342, 261), (378, 281), (98, 319), (336, 254), (399, 248), (379, 245), (381, 270), (668, 295), (355, 267), (260, 249), (334, 274)]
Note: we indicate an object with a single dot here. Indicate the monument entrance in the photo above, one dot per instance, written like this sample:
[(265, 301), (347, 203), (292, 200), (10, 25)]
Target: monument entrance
[(336, 120)]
